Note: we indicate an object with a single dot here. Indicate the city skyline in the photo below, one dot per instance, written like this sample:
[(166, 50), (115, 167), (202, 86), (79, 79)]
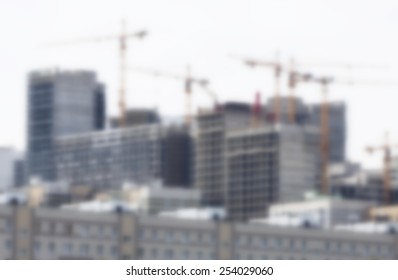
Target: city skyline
[(194, 34)]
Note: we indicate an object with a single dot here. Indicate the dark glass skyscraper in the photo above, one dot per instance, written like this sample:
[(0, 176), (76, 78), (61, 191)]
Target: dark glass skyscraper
[(60, 103)]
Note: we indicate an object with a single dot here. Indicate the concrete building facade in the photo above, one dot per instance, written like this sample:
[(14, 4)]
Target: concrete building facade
[(209, 144), (269, 164), (109, 158), (311, 114), (27, 233)]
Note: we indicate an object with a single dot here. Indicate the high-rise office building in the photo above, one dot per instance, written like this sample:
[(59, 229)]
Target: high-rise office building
[(60, 103)]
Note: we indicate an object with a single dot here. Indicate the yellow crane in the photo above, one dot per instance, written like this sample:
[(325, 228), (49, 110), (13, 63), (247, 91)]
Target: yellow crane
[(294, 77), (122, 39), (277, 68), (188, 81), (386, 149), (325, 81)]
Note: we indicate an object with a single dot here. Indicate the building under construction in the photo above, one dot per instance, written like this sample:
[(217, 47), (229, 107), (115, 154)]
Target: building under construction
[(269, 164), (134, 117), (210, 164), (311, 114), (246, 165)]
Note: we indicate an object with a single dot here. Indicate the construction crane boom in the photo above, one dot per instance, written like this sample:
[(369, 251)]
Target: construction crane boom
[(293, 79), (122, 38), (325, 81), (277, 68), (188, 81)]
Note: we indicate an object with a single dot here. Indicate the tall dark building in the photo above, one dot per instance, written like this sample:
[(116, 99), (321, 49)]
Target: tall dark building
[(177, 151), (100, 107), (59, 103), (20, 172)]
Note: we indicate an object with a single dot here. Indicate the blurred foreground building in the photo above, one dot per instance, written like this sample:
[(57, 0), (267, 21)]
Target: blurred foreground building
[(116, 233)]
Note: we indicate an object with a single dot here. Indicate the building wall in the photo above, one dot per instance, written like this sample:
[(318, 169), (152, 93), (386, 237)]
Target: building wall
[(59, 104), (7, 160), (177, 156), (337, 128), (109, 158), (268, 164), (210, 141), (311, 114), (60, 234)]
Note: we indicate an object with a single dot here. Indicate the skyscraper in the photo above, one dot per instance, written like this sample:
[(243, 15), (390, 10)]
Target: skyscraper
[(60, 103)]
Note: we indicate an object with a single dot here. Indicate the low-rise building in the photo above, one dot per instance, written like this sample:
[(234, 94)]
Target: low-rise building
[(43, 233)]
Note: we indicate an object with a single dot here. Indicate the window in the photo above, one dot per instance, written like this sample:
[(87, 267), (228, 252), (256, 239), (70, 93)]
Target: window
[(100, 250), (84, 249), (168, 254), (264, 242), (114, 252), (154, 253), (67, 249), (185, 255), (200, 255), (8, 245), (51, 248), (169, 236), (37, 248)]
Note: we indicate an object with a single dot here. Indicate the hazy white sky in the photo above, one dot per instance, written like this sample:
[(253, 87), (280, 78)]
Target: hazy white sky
[(204, 33)]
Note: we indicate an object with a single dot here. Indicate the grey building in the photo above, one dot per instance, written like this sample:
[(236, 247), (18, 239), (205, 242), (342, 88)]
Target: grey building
[(311, 114), (7, 159), (337, 128), (60, 103), (302, 112), (269, 164), (20, 175), (109, 158), (62, 234), (209, 161)]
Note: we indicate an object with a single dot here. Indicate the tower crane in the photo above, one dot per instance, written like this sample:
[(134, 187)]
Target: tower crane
[(294, 77), (324, 145), (386, 149), (276, 66), (122, 39), (325, 82), (188, 81)]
